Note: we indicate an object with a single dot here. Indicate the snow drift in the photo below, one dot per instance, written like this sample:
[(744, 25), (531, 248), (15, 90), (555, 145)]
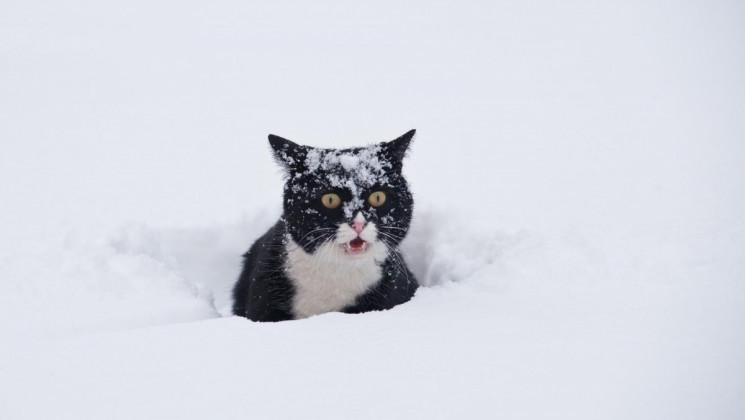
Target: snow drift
[(578, 227)]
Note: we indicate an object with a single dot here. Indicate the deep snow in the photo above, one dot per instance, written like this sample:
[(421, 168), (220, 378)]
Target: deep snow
[(579, 197)]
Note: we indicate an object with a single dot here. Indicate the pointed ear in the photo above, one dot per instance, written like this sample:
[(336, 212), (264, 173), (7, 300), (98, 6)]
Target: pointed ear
[(287, 153), (395, 150)]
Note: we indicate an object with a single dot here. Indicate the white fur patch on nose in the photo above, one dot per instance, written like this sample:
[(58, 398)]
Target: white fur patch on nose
[(346, 233), (369, 233)]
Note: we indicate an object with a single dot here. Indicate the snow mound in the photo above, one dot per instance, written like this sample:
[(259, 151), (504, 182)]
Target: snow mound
[(71, 286), (518, 312), (139, 276)]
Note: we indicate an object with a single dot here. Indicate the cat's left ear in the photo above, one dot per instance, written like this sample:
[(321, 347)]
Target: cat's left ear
[(395, 150), (288, 153)]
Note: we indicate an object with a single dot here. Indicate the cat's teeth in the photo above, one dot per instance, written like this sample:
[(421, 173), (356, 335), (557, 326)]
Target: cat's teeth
[(356, 246)]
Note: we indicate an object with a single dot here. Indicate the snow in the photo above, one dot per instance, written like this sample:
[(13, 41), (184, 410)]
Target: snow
[(578, 227), (349, 162)]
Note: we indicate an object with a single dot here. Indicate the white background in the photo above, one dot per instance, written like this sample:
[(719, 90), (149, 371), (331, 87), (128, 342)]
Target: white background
[(579, 183)]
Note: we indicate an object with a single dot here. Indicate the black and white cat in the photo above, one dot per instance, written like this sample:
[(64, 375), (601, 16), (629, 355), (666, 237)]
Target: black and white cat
[(335, 248)]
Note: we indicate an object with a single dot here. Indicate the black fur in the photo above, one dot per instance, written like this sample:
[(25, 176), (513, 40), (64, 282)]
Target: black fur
[(263, 291)]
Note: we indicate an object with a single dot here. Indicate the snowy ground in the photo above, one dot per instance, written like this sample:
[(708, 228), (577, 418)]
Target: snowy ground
[(578, 171)]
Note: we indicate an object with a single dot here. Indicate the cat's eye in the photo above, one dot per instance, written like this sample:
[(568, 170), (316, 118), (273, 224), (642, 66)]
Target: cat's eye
[(331, 201), (376, 199)]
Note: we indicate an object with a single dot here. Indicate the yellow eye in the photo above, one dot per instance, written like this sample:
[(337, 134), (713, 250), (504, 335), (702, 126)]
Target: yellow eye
[(376, 199), (331, 201)]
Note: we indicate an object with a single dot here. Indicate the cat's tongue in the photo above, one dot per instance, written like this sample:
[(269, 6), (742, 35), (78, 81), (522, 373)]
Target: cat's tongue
[(356, 243), (356, 246)]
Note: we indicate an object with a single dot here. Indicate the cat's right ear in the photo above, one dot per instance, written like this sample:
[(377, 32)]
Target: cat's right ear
[(288, 153), (395, 150)]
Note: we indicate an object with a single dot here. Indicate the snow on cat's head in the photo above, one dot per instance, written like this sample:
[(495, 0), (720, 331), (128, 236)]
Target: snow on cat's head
[(354, 199)]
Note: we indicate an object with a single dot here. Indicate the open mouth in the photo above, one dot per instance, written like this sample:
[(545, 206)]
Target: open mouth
[(356, 246)]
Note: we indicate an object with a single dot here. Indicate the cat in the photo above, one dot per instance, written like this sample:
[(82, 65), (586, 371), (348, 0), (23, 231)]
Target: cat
[(335, 247)]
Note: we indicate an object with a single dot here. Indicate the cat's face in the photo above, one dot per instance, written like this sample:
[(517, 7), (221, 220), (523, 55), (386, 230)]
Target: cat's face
[(354, 202)]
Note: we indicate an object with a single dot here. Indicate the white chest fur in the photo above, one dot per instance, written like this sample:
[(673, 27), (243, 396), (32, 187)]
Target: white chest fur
[(328, 280)]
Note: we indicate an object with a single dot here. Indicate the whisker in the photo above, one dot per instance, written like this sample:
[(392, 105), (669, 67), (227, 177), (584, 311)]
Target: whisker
[(391, 227), (397, 261), (315, 230)]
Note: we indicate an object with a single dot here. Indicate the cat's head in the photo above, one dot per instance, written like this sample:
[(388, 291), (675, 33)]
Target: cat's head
[(355, 201)]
